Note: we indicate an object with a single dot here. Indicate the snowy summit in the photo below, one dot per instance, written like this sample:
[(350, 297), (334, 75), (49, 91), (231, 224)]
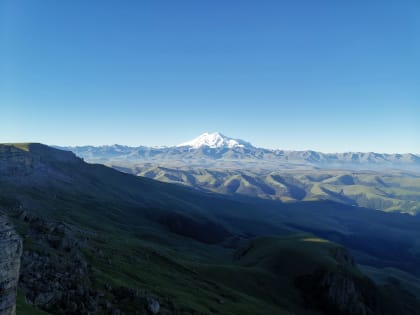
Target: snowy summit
[(215, 140)]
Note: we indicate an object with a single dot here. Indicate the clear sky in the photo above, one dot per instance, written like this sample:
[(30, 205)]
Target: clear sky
[(325, 75)]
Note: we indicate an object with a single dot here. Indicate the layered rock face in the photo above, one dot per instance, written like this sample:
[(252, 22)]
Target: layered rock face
[(33, 164), (15, 162), (340, 293), (342, 290), (10, 253)]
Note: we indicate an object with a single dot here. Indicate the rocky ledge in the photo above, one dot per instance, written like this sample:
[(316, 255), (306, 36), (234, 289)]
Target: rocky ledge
[(10, 253)]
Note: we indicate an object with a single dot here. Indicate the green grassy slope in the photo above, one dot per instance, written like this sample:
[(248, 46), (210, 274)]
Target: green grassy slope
[(387, 190), (182, 246), (22, 307)]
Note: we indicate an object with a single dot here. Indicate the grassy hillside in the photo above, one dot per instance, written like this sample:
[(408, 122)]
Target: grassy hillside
[(386, 190), (105, 242)]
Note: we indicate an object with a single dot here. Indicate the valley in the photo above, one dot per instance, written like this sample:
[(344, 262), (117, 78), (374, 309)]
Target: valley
[(140, 246)]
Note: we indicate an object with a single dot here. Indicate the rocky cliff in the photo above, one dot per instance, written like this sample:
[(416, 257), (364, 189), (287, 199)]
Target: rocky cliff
[(342, 290), (15, 161), (10, 253)]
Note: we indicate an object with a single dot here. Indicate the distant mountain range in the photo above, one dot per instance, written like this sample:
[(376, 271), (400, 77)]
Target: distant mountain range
[(218, 150), (216, 163)]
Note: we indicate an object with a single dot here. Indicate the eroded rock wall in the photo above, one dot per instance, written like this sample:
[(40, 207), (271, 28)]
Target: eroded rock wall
[(10, 253)]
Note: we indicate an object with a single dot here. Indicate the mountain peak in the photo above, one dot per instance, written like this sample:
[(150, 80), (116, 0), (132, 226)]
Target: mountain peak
[(215, 140)]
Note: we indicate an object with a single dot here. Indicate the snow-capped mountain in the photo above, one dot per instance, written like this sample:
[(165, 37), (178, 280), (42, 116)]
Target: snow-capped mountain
[(215, 140), (219, 151)]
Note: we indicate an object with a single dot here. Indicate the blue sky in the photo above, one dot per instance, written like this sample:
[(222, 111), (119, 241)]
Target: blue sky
[(325, 75)]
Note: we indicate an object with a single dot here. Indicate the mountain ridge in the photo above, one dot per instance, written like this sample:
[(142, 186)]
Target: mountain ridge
[(218, 150), (217, 135)]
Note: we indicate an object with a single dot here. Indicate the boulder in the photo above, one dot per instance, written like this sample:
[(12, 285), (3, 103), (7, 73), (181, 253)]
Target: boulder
[(153, 306)]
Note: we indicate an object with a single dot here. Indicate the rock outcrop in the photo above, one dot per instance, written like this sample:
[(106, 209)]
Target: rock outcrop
[(16, 162), (57, 278), (340, 292), (10, 253), (33, 163)]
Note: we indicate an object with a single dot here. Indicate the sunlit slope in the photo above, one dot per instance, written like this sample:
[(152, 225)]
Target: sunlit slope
[(388, 190)]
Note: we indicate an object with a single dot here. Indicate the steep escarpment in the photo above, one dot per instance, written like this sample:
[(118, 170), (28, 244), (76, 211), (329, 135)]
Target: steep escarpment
[(16, 162), (10, 252), (29, 163)]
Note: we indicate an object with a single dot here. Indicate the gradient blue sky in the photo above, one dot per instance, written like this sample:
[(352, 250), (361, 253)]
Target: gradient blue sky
[(325, 75)]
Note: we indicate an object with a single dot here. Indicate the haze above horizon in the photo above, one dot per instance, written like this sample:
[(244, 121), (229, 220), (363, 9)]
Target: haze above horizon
[(325, 76)]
